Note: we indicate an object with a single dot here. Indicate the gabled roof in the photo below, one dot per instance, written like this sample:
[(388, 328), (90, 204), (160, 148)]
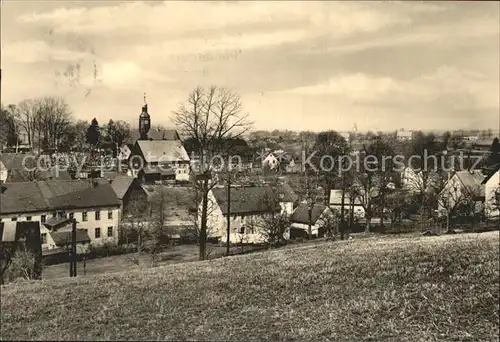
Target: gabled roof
[(301, 213), (286, 193), (492, 170), (56, 222), (63, 238), (470, 179), (51, 195), (121, 184), (154, 134), (246, 199), (101, 195), (158, 151)]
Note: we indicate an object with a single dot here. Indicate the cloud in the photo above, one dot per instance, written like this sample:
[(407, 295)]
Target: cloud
[(249, 24), (444, 34), (33, 51), (173, 16), (123, 74), (446, 86), (354, 87)]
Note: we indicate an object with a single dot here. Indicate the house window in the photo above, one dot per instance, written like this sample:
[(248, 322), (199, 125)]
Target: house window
[(71, 216), (44, 238), (110, 231), (28, 218), (14, 219), (84, 216), (43, 218), (97, 215), (97, 233), (110, 214), (242, 230), (54, 214), (61, 214)]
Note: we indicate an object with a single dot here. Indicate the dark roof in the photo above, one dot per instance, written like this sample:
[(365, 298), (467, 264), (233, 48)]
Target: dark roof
[(154, 134), (121, 184), (471, 179), (286, 193), (55, 222), (21, 166), (63, 238), (301, 213), (490, 172), (101, 195), (246, 199), (55, 194)]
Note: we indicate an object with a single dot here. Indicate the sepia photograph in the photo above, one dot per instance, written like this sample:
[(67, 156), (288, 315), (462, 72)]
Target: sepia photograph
[(250, 170)]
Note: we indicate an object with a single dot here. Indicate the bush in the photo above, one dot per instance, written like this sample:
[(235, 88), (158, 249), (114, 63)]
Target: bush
[(22, 266)]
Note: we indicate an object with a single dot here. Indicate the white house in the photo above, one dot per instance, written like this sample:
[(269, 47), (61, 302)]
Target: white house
[(462, 186), (94, 205), (125, 152), (403, 135), (410, 179), (271, 161), (492, 192), (335, 203), (249, 208), (163, 159), (321, 216)]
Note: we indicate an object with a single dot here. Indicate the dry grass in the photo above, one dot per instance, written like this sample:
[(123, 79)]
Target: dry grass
[(416, 289)]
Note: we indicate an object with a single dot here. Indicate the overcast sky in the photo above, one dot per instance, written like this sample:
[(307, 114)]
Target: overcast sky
[(297, 65)]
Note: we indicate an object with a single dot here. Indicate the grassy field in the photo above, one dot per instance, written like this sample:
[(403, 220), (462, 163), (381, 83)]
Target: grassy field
[(124, 262), (408, 289)]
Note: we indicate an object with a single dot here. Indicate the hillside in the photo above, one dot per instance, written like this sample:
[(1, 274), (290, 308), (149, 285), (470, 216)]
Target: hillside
[(420, 289)]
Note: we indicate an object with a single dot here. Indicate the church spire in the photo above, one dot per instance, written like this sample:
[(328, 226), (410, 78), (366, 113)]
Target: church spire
[(144, 121)]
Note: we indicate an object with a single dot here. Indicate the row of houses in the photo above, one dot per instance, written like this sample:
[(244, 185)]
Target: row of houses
[(96, 205)]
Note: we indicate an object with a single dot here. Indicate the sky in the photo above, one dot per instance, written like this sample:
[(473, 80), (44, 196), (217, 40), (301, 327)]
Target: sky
[(297, 65)]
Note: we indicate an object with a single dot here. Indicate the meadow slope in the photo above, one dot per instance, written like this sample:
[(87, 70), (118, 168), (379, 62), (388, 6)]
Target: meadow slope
[(417, 289)]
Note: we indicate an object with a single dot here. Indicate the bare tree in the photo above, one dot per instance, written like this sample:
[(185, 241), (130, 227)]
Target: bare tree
[(158, 217), (209, 118), (194, 231), (274, 222), (8, 130), (45, 120), (26, 115), (23, 264), (457, 200), (135, 223)]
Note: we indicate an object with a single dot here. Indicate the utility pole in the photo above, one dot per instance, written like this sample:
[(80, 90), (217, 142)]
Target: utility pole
[(228, 237), (342, 203), (73, 264), (308, 198)]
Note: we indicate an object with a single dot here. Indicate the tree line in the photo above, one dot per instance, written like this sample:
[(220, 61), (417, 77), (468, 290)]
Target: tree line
[(48, 124)]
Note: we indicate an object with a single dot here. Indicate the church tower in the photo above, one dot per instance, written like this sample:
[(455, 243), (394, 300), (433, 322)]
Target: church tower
[(144, 121)]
